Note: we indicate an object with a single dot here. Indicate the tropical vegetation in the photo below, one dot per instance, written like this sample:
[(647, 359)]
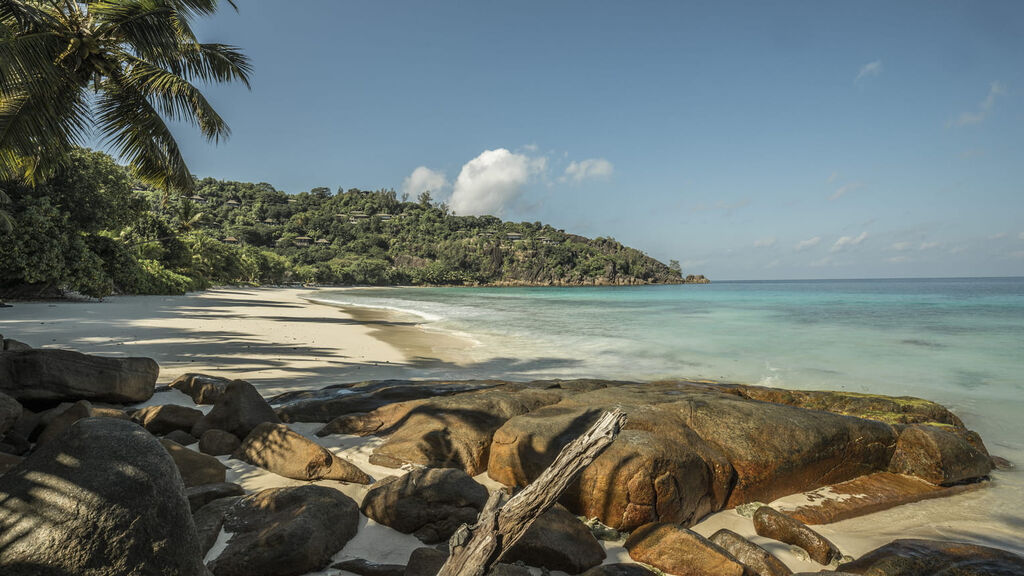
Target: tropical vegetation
[(94, 229)]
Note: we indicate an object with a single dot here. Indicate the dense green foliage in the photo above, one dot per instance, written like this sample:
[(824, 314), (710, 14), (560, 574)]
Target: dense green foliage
[(71, 71), (91, 229)]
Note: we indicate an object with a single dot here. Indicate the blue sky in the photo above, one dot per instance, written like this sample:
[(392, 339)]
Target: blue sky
[(751, 140)]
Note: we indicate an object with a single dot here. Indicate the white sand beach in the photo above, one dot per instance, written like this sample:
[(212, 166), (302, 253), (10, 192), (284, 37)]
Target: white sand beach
[(276, 339)]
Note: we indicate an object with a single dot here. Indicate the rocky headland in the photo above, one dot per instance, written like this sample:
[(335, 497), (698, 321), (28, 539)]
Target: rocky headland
[(90, 483)]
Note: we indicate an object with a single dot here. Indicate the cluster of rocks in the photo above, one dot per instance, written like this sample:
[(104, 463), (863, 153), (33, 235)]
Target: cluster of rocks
[(90, 486)]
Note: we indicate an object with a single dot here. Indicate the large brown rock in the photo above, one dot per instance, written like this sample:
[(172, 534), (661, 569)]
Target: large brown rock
[(757, 559), (773, 524), (195, 468), (218, 442), (656, 469), (557, 540), (238, 410), (105, 500), (453, 431), (425, 562), (61, 422), (429, 503), (939, 456), (866, 495), (280, 450), (286, 531), (936, 558), (167, 418), (676, 550), (63, 375), (203, 388)]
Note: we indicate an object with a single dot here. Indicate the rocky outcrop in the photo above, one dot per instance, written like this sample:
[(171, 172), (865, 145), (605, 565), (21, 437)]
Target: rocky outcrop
[(286, 531), (773, 524), (280, 450), (557, 540), (938, 455), (167, 418), (757, 559), (195, 468), (688, 449), (676, 550), (238, 410), (935, 558), (453, 431), (103, 500), (181, 437), (429, 503), (331, 402), (218, 442), (367, 568), (203, 388), (40, 376), (619, 570)]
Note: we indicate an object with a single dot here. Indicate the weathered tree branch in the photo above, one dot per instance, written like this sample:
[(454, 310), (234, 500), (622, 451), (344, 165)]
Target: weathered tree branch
[(503, 521)]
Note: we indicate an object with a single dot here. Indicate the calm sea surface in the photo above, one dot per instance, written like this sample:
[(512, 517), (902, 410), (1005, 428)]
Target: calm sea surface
[(959, 342), (956, 341)]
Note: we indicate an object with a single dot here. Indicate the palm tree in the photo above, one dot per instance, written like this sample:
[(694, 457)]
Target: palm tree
[(116, 69)]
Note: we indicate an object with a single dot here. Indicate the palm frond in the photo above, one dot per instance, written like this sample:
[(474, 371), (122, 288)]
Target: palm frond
[(175, 97), (131, 125)]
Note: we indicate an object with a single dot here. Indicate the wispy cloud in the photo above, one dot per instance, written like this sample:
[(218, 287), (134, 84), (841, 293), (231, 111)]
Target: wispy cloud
[(868, 70), (999, 236), (809, 243), (832, 177), (764, 242), (1020, 236), (901, 246), (928, 245), (898, 259), (588, 169), (842, 190), (978, 116), (424, 179), (848, 241)]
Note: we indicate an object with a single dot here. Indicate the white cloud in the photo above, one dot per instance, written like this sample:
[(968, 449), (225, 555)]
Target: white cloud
[(588, 169), (898, 259), (490, 182), (822, 262), (842, 190), (928, 245), (984, 108), (832, 177), (1000, 236), (868, 70), (901, 246), (764, 242), (848, 241), (809, 243), (530, 147), (424, 179)]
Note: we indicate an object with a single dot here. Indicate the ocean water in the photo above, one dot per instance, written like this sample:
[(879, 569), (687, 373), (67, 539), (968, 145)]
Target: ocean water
[(959, 342)]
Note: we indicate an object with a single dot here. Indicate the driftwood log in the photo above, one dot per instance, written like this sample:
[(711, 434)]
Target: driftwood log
[(504, 520)]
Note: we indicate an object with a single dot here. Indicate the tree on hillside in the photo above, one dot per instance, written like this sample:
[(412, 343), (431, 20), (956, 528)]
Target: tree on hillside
[(118, 69)]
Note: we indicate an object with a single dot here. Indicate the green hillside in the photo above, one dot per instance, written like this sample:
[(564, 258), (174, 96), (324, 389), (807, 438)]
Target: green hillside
[(95, 231)]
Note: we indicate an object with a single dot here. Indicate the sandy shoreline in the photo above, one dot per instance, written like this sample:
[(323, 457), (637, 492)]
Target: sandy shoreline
[(272, 337), (279, 341)]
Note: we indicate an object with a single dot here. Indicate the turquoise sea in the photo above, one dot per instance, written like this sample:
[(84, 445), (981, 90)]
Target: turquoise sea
[(959, 342), (956, 341)]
